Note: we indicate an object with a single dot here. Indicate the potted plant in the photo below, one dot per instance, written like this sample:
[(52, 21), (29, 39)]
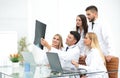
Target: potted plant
[(22, 47), (15, 58)]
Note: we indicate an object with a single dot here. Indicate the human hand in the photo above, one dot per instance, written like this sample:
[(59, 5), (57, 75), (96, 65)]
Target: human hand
[(43, 42), (75, 63), (82, 57), (108, 58)]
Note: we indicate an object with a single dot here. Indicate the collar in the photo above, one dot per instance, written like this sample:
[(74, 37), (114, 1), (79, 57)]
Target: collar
[(72, 46), (96, 21)]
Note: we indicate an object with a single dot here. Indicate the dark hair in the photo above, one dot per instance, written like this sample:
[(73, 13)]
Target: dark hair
[(84, 23), (92, 7), (76, 35)]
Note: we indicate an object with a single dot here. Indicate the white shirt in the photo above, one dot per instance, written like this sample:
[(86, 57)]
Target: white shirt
[(94, 63), (103, 36), (73, 53), (39, 55), (81, 43)]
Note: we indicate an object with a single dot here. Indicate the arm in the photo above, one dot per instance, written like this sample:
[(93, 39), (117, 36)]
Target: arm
[(108, 44), (94, 62), (71, 54), (45, 43), (75, 63)]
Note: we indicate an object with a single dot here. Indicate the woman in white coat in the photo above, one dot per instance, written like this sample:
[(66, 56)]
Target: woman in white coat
[(57, 44), (95, 60), (82, 28)]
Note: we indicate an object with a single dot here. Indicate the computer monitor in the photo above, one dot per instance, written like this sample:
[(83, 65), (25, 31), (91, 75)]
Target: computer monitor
[(40, 29)]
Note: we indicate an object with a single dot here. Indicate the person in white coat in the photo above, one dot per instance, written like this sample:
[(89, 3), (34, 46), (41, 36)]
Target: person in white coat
[(71, 52), (95, 61), (57, 44), (101, 31), (82, 28)]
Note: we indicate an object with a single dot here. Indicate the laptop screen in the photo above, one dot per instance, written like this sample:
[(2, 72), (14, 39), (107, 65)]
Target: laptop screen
[(28, 57), (54, 62)]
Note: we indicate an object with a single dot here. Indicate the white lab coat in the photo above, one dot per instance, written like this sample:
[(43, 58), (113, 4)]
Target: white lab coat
[(80, 43), (39, 55), (94, 63), (73, 53), (103, 35)]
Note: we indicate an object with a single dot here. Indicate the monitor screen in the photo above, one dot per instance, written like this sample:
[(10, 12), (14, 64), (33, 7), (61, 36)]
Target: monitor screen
[(40, 29)]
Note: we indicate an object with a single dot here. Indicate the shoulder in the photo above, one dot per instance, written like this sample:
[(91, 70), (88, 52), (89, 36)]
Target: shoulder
[(74, 47), (54, 49), (94, 51)]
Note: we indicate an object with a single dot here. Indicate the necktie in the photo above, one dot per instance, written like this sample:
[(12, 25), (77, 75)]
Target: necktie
[(66, 48), (92, 24)]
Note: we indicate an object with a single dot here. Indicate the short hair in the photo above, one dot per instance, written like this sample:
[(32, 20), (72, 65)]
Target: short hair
[(92, 7), (76, 35)]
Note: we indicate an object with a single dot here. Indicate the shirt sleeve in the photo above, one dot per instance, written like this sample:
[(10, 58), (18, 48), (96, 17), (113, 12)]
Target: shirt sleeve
[(107, 41), (94, 63)]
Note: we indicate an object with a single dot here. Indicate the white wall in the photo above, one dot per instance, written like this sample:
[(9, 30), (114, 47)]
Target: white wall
[(20, 15), (13, 16), (60, 16)]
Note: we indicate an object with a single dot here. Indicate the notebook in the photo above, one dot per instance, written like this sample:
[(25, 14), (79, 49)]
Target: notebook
[(28, 57), (55, 64)]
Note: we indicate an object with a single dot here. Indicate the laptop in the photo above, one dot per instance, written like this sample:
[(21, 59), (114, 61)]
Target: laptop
[(55, 64), (28, 57)]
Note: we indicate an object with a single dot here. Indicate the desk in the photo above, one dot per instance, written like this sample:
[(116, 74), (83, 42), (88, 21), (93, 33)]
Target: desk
[(35, 72)]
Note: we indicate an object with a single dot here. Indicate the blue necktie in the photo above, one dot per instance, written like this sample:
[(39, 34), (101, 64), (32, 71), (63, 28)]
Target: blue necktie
[(92, 24), (66, 48)]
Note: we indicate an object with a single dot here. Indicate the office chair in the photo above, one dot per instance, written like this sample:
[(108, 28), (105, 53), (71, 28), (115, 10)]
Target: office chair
[(111, 66)]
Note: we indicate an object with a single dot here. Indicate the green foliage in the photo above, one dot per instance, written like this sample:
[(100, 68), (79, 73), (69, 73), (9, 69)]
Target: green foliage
[(14, 57), (22, 47)]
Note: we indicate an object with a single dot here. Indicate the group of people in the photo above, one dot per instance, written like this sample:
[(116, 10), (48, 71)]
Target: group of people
[(88, 41)]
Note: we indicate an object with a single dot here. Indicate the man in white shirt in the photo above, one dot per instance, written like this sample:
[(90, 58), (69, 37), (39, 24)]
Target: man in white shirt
[(72, 51), (97, 27)]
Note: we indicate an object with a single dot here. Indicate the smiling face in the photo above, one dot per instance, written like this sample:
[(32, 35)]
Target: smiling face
[(70, 40), (57, 41)]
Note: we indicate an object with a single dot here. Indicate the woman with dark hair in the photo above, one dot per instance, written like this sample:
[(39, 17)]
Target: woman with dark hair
[(82, 28), (81, 24)]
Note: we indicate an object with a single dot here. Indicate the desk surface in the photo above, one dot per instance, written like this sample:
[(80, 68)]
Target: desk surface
[(35, 72)]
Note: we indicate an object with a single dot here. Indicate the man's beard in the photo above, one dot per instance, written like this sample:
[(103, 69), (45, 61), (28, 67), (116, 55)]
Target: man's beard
[(92, 20)]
